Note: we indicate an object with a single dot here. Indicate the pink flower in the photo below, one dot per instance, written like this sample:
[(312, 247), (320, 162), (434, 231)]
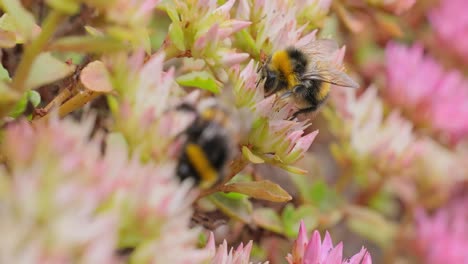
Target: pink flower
[(63, 200), (207, 32), (278, 27), (451, 25), (240, 255), (317, 252), (426, 92), (51, 194), (388, 141), (131, 12), (443, 237)]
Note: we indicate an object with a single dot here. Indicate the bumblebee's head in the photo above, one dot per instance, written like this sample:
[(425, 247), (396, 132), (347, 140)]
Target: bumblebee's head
[(279, 72)]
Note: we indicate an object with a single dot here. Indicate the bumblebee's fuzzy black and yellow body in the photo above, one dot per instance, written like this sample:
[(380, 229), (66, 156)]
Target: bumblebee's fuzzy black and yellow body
[(305, 74), (206, 148)]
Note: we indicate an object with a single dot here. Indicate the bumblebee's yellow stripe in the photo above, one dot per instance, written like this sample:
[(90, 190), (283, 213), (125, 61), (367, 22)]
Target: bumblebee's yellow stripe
[(281, 62), (201, 164), (323, 91)]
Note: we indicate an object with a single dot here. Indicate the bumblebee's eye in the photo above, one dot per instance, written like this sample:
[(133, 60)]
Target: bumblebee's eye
[(271, 74), (270, 82)]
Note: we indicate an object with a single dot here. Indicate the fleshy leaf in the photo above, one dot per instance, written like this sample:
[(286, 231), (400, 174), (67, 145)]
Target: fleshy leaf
[(201, 79), (24, 20), (268, 219), (293, 169), (96, 78), (264, 190), (235, 206), (94, 31), (371, 224), (97, 44), (32, 97), (4, 75), (177, 35), (7, 32), (251, 156), (47, 69)]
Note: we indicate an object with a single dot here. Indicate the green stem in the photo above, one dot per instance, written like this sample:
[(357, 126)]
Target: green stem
[(32, 51)]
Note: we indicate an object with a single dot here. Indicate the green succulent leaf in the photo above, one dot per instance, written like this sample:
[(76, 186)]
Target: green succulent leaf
[(8, 37), (264, 190), (291, 218), (251, 156), (268, 219), (4, 75), (47, 69), (177, 35), (371, 225), (23, 19), (201, 79), (236, 206), (31, 97)]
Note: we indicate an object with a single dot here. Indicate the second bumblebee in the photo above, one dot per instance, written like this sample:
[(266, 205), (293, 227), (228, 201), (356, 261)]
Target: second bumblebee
[(206, 148)]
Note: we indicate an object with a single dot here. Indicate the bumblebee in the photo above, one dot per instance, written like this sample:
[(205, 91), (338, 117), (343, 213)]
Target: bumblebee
[(206, 148), (305, 74)]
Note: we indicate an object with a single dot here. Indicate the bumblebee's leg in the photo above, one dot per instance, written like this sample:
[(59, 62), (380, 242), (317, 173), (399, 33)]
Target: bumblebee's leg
[(303, 111)]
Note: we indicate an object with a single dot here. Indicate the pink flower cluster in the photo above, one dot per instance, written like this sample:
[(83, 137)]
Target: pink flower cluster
[(316, 251), (62, 200), (443, 237), (304, 251), (430, 95), (450, 22)]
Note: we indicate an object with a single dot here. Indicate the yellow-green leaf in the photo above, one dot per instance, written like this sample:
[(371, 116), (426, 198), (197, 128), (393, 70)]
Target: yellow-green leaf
[(293, 169), (201, 79), (371, 224), (240, 209), (4, 75), (29, 97), (251, 156), (177, 35), (47, 69), (24, 20), (94, 31), (268, 219), (264, 190)]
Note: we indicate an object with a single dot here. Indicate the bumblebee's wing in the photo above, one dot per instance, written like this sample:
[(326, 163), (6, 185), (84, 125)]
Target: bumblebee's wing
[(320, 49), (329, 72)]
